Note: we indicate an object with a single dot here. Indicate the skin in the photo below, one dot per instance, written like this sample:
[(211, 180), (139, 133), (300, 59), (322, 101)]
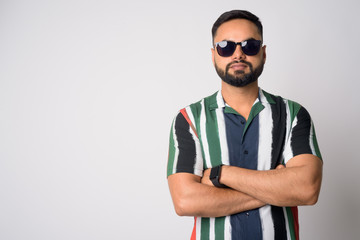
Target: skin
[(240, 99), (297, 183)]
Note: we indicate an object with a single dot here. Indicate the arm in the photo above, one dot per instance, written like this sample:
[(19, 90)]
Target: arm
[(185, 168), (193, 198), (297, 184)]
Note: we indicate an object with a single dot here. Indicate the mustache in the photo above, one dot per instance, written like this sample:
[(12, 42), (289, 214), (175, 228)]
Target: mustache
[(239, 61)]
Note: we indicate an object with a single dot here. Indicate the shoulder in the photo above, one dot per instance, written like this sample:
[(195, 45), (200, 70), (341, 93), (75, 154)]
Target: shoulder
[(292, 107), (206, 103)]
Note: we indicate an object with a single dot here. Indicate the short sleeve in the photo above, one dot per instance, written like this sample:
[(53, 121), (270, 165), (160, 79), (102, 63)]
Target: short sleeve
[(184, 148), (302, 138)]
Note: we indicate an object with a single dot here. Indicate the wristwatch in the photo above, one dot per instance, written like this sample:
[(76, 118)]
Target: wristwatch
[(215, 176)]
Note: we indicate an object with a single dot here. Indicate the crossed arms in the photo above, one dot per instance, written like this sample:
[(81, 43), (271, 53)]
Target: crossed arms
[(296, 184)]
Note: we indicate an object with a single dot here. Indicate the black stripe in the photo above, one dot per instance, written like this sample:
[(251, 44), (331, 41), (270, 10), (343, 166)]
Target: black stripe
[(301, 133), (278, 132), (279, 223), (187, 149), (278, 141)]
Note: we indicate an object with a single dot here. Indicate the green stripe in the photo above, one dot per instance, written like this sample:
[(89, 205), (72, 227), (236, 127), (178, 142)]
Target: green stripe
[(230, 110), (291, 223), (171, 157), (220, 228), (268, 97), (212, 135), (294, 109), (205, 229)]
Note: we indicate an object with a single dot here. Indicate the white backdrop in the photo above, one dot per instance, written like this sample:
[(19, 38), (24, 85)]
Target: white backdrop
[(88, 90)]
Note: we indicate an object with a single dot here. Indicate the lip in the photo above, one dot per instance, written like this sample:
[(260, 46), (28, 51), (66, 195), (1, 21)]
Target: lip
[(238, 66)]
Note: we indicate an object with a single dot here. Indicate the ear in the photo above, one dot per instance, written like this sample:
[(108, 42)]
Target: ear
[(264, 53), (213, 55)]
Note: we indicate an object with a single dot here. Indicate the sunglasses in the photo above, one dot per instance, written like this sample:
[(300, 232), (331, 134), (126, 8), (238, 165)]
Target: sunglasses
[(249, 47)]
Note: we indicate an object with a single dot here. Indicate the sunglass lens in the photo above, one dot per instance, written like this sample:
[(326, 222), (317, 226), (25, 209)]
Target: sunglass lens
[(251, 47), (225, 48)]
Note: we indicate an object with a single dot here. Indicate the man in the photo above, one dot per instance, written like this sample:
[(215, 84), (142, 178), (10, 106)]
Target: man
[(241, 160)]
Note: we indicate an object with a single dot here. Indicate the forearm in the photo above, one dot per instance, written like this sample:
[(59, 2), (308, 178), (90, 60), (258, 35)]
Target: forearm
[(192, 198), (291, 186), (263, 185)]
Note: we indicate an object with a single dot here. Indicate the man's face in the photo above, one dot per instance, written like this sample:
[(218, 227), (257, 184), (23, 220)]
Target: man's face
[(238, 69)]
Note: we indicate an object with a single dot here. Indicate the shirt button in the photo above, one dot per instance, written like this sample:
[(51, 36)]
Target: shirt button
[(247, 214), (242, 122), (246, 152)]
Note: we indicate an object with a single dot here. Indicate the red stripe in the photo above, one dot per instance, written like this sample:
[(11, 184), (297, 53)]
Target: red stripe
[(186, 116), (193, 235), (294, 211)]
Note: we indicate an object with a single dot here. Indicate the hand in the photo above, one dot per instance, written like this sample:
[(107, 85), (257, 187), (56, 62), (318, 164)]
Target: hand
[(280, 166), (206, 177)]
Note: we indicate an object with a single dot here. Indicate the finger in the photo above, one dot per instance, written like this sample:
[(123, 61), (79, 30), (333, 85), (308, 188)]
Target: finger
[(280, 166)]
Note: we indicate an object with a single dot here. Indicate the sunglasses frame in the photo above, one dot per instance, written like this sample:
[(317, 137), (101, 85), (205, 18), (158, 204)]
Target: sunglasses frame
[(242, 44)]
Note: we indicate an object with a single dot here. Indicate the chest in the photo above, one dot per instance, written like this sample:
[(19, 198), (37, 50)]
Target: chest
[(258, 143)]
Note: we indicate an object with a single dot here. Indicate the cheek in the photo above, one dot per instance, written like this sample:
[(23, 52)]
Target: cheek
[(220, 61), (256, 61)]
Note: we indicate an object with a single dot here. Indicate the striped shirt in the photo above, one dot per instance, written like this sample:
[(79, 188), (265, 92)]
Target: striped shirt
[(209, 133)]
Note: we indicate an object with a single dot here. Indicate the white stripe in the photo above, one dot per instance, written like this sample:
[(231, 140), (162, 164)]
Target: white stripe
[(311, 138), (222, 136), (199, 165), (198, 228), (212, 229), (227, 228), (203, 134), (287, 148), (190, 114), (267, 223), (264, 163), (263, 99), (220, 100), (288, 120), (265, 138)]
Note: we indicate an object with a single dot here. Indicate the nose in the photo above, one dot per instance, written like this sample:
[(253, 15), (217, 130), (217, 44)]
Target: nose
[(238, 54)]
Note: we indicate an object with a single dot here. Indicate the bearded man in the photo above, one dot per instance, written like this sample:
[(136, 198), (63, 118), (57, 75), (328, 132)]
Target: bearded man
[(242, 160)]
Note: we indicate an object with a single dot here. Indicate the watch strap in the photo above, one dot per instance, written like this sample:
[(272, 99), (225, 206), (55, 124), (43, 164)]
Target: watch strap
[(215, 176)]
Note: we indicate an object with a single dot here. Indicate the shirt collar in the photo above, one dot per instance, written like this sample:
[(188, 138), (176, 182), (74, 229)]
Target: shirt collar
[(218, 101)]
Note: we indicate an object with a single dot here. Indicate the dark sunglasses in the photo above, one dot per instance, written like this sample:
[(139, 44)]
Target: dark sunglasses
[(249, 47)]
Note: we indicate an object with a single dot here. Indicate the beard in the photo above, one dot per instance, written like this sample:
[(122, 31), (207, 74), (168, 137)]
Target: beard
[(239, 78)]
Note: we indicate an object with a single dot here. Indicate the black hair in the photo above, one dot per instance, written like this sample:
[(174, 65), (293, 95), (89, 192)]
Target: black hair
[(236, 14)]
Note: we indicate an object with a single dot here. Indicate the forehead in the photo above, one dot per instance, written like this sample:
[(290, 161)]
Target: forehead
[(237, 30)]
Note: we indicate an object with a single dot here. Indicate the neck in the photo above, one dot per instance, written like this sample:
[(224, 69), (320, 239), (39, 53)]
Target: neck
[(240, 99)]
